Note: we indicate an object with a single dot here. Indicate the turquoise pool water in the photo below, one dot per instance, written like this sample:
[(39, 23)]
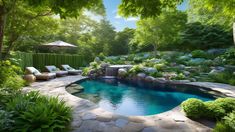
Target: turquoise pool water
[(127, 99)]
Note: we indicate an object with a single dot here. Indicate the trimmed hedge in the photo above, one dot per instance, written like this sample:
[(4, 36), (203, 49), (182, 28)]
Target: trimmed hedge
[(40, 60)]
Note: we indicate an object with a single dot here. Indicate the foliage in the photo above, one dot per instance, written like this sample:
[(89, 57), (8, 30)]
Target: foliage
[(145, 9), (161, 32), (6, 120), (199, 54), (35, 112), (228, 104), (227, 124), (214, 111), (122, 44), (221, 127), (9, 77), (104, 37), (211, 12), (136, 69), (228, 56), (223, 77), (200, 36), (194, 108), (179, 76)]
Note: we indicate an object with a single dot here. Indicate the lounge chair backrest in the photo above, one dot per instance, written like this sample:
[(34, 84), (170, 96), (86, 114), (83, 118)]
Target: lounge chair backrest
[(51, 68), (67, 67), (32, 70)]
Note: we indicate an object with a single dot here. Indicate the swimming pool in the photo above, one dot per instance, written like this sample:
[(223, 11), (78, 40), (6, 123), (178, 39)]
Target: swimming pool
[(128, 99)]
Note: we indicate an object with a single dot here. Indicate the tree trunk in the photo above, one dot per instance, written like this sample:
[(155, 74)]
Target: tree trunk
[(234, 33), (2, 24), (155, 49)]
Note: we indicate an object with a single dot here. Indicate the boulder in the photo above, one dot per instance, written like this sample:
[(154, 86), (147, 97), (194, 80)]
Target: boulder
[(122, 72), (149, 79), (160, 80), (141, 76), (181, 67), (150, 70), (196, 61), (74, 88), (186, 73), (104, 65), (216, 70)]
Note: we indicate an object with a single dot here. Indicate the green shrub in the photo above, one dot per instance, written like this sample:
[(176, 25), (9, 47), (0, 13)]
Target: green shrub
[(199, 54), (227, 124), (136, 69), (214, 111), (221, 127), (9, 77), (223, 77), (33, 112), (6, 120), (101, 56), (194, 108), (85, 71), (228, 104), (228, 56), (179, 76), (160, 66)]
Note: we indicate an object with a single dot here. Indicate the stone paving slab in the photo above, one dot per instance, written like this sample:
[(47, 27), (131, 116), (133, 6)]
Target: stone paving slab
[(88, 117)]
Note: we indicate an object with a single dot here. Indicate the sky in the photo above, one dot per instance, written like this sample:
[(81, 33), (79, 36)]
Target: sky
[(119, 22)]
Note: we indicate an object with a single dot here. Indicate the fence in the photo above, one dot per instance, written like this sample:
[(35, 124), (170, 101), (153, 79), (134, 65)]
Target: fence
[(40, 60)]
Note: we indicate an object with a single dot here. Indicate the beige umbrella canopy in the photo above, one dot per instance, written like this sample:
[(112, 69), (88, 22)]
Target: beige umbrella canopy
[(59, 44)]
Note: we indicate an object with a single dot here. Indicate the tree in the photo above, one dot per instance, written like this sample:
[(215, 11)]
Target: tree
[(213, 12), (162, 31), (104, 36), (202, 36), (122, 42), (145, 8), (65, 8)]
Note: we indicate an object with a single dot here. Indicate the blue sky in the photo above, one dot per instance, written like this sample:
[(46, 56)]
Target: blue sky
[(120, 23)]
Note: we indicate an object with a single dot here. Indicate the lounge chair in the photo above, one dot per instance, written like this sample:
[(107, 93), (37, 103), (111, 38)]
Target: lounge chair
[(39, 75), (71, 70), (57, 71)]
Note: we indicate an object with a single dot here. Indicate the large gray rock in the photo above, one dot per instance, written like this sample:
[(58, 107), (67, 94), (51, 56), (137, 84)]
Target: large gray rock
[(104, 65), (74, 88), (196, 61), (122, 72), (149, 79), (141, 76), (186, 73), (150, 70), (216, 70)]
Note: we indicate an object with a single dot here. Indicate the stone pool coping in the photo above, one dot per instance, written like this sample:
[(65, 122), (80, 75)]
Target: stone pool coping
[(88, 117)]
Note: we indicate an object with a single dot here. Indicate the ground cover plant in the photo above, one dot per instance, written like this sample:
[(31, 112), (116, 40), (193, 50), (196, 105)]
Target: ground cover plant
[(28, 111)]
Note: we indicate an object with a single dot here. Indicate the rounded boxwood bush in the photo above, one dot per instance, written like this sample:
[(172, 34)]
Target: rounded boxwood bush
[(214, 111), (194, 108), (228, 104)]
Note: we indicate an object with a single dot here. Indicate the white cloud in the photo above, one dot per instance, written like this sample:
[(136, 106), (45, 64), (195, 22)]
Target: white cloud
[(93, 16), (132, 19)]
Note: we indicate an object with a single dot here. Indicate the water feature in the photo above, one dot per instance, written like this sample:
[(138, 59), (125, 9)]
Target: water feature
[(127, 99)]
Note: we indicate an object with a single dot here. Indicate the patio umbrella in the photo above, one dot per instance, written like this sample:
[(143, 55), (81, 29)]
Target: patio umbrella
[(59, 44)]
